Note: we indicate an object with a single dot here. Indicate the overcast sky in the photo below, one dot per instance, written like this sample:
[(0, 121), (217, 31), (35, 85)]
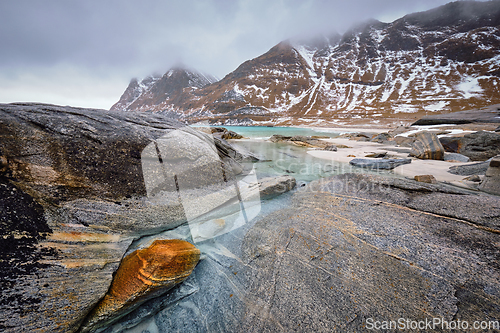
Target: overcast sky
[(84, 53)]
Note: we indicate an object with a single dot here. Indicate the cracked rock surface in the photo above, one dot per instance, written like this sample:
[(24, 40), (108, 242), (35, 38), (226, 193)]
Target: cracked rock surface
[(349, 248)]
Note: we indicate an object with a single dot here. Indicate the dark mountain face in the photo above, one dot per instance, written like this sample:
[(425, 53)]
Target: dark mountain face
[(442, 60), (174, 87)]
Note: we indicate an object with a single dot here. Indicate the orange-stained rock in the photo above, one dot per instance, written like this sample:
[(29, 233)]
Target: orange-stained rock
[(142, 275), (425, 179)]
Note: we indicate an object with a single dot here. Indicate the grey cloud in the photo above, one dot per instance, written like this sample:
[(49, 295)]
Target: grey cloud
[(117, 39)]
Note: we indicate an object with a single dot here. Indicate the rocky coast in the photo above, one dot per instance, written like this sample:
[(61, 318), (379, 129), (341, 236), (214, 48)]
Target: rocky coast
[(82, 189), (104, 230)]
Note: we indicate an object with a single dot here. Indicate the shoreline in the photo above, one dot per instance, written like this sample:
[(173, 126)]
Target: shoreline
[(439, 169)]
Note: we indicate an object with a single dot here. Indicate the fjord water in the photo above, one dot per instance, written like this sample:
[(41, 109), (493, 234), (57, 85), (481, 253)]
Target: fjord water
[(265, 132), (282, 158)]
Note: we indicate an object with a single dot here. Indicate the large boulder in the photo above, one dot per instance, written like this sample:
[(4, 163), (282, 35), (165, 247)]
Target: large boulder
[(427, 147), (491, 181), (80, 187), (76, 200), (478, 146)]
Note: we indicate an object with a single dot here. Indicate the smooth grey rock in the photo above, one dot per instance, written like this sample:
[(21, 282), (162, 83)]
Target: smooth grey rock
[(470, 169), (491, 181), (382, 164), (456, 157)]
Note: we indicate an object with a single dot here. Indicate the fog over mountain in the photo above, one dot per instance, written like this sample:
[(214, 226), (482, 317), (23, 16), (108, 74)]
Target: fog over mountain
[(84, 53)]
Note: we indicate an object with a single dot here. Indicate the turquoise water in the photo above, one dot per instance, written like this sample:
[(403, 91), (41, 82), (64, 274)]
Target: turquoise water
[(253, 132), (283, 158)]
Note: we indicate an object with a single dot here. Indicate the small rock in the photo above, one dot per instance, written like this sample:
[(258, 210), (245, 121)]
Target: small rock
[(473, 178), (427, 147), (351, 155), (495, 162), (279, 138), (381, 164), (470, 169), (456, 157), (497, 129), (228, 135), (425, 179), (273, 186), (3, 164), (331, 148), (381, 138), (377, 155), (491, 181)]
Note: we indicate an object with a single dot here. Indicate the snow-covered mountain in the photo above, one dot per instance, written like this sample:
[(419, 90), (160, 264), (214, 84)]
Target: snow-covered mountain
[(156, 93), (442, 60)]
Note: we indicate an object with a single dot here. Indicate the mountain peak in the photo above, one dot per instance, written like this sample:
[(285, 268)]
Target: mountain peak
[(155, 90)]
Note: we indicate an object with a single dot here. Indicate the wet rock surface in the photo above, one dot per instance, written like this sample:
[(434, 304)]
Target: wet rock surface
[(346, 249)]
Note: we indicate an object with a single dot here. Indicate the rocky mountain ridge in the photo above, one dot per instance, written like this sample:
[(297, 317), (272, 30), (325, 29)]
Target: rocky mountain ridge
[(442, 60)]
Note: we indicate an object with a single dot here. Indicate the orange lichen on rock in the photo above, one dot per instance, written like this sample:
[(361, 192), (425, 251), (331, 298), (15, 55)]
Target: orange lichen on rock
[(142, 275)]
